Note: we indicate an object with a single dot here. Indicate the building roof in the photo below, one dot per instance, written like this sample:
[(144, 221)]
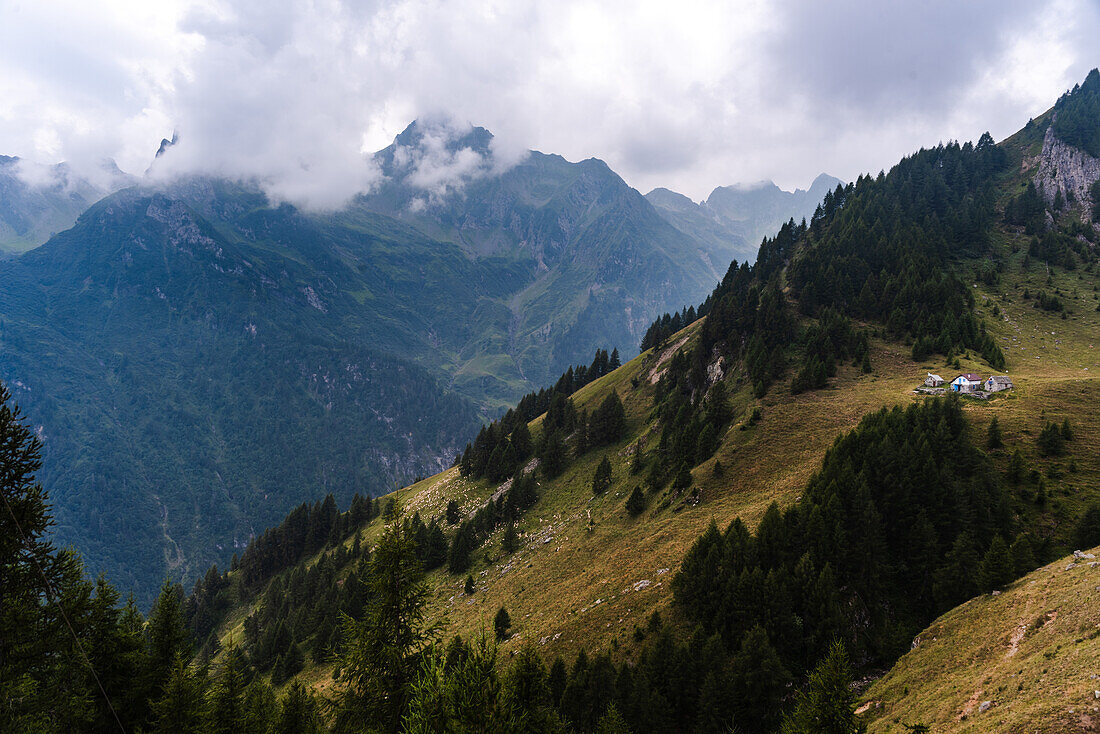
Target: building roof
[(935, 377), (970, 377), (1001, 379)]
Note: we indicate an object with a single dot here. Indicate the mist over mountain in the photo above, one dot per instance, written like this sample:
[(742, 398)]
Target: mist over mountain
[(37, 202)]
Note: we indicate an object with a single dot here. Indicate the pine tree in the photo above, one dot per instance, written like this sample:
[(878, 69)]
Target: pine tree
[(34, 580), (226, 712), (557, 680), (1016, 467), (612, 722), (468, 588), (683, 478), (994, 440), (827, 705), (510, 542), (381, 650), (1067, 430), (1052, 442), (454, 514), (997, 568), (1023, 556), (181, 708), (601, 480), (458, 558), (167, 637), (1087, 532), (760, 681), (298, 712), (635, 504), (552, 457), (526, 688), (260, 708), (501, 623), (608, 423), (637, 461)]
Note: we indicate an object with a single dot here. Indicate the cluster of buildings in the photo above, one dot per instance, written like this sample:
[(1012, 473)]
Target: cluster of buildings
[(970, 382)]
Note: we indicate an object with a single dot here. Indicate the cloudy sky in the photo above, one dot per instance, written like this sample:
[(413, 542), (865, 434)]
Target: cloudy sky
[(685, 94)]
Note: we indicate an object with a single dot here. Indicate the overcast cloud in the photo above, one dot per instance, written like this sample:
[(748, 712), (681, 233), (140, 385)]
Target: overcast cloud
[(688, 95)]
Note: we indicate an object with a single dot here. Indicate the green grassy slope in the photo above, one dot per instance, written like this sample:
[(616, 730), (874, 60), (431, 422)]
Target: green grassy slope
[(1032, 652)]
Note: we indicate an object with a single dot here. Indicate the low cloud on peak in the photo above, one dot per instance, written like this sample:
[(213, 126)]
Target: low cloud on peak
[(297, 95)]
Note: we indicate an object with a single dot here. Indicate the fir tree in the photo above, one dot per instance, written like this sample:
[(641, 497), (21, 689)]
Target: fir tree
[(994, 440), (827, 705), (1087, 532), (380, 650), (997, 568), (635, 504), (502, 623), (298, 712), (510, 542), (601, 480), (226, 712), (181, 707)]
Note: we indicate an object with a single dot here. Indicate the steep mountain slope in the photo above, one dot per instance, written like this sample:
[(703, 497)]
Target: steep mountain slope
[(588, 573), (596, 259), (31, 213), (702, 224), (1024, 660), (180, 381)]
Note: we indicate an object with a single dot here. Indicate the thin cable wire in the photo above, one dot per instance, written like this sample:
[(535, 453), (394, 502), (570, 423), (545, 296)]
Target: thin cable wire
[(53, 600)]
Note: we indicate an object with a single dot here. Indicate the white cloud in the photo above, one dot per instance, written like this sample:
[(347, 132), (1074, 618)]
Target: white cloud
[(296, 93)]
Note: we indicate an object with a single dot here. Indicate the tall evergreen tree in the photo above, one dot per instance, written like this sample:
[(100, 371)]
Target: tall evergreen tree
[(226, 712), (298, 712), (43, 672), (601, 480), (827, 704), (382, 650), (181, 708), (167, 637)]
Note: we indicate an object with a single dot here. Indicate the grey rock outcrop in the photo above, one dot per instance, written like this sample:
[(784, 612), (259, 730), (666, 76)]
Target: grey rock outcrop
[(1063, 167)]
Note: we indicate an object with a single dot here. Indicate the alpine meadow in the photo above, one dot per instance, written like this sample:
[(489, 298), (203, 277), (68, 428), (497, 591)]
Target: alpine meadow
[(338, 413)]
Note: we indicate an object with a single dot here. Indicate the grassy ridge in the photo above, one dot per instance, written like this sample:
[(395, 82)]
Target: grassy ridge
[(1032, 652)]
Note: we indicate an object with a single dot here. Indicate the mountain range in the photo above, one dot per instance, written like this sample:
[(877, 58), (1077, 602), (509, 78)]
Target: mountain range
[(742, 214), (197, 360), (50, 202)]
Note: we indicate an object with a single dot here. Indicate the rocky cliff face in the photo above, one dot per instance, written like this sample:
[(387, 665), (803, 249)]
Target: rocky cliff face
[(1063, 167)]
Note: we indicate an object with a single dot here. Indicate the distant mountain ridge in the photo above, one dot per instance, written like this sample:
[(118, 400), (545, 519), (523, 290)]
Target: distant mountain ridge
[(30, 213), (738, 217)]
